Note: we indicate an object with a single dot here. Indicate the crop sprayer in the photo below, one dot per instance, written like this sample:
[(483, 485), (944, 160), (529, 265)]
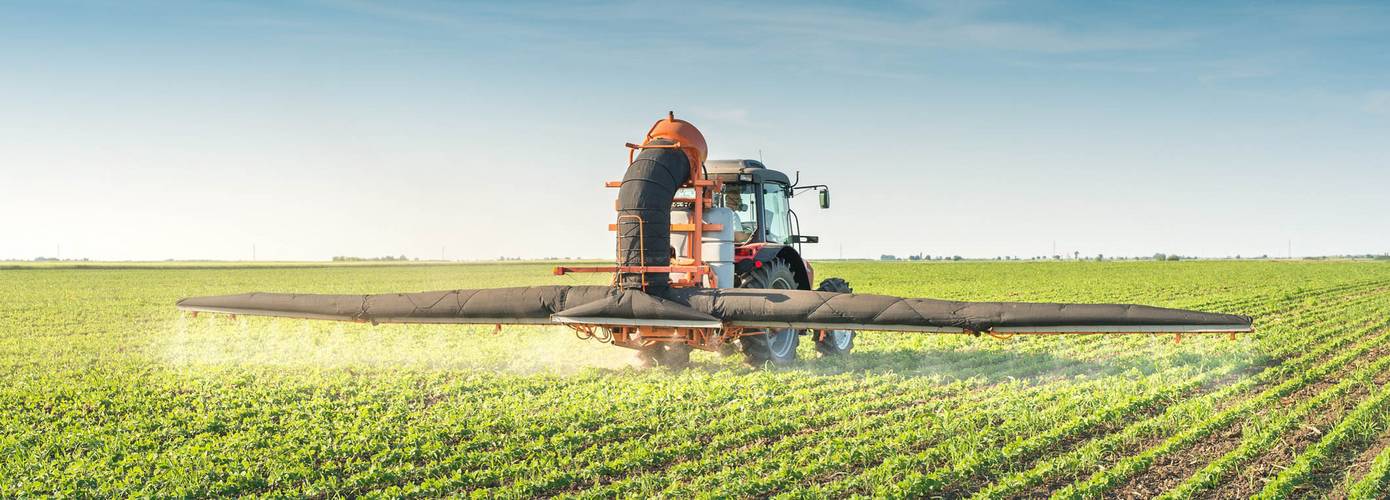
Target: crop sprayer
[(708, 258)]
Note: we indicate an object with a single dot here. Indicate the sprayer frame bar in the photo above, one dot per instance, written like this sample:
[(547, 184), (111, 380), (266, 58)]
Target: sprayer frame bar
[(562, 270), (644, 336)]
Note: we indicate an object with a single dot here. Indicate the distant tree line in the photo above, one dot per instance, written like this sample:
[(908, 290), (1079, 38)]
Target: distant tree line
[(388, 258), (919, 257), (1358, 256)]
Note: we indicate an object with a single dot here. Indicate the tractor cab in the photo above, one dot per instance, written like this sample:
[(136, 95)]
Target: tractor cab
[(766, 230), (761, 201)]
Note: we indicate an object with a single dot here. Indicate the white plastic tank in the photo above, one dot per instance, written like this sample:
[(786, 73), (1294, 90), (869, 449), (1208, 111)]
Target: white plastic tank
[(717, 247)]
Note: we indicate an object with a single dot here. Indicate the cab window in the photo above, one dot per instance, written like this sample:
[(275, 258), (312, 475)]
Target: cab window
[(779, 225)]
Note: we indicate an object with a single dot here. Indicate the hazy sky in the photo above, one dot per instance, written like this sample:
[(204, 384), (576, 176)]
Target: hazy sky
[(152, 130)]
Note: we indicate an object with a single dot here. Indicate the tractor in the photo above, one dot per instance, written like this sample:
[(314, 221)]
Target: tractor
[(767, 252)]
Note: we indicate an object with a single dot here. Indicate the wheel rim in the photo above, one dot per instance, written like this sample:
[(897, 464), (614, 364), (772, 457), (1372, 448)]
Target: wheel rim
[(780, 342), (839, 339)]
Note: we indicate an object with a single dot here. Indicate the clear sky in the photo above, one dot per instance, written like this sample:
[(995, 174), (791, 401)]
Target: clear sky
[(152, 130)]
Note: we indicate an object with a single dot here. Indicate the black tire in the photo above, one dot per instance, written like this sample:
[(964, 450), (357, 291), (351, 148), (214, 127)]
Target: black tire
[(776, 346), (835, 342), (664, 355)]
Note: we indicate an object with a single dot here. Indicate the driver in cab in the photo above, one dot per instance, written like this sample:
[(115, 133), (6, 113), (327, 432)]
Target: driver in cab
[(733, 200)]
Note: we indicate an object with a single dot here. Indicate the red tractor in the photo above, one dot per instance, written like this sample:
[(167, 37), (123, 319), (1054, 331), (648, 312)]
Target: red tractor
[(767, 251)]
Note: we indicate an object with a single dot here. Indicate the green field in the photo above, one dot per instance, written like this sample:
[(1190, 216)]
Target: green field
[(108, 391)]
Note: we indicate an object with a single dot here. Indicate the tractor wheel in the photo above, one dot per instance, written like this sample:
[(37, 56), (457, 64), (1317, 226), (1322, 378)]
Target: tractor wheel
[(664, 355), (836, 342), (777, 346)]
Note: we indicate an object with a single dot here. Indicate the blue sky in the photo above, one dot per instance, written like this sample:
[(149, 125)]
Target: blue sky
[(152, 130)]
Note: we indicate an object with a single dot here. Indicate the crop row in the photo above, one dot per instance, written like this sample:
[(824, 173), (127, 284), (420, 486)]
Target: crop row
[(1089, 453), (1267, 432), (1366, 421), (1375, 480), (1135, 463), (1177, 417)]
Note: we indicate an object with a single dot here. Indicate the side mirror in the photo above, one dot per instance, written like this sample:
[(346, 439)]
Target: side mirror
[(825, 198), (796, 238)]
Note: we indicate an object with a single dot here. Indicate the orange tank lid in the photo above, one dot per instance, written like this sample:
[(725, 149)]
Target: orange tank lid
[(683, 132)]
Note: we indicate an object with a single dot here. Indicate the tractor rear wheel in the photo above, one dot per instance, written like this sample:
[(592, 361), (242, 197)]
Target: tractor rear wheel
[(777, 346), (834, 342), (664, 355)]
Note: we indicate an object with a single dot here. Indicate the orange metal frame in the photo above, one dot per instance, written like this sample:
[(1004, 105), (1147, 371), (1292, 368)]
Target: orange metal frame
[(637, 337), (697, 272)]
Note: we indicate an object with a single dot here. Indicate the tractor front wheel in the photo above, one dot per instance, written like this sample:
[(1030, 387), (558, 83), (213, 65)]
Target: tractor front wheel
[(777, 346), (834, 342)]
